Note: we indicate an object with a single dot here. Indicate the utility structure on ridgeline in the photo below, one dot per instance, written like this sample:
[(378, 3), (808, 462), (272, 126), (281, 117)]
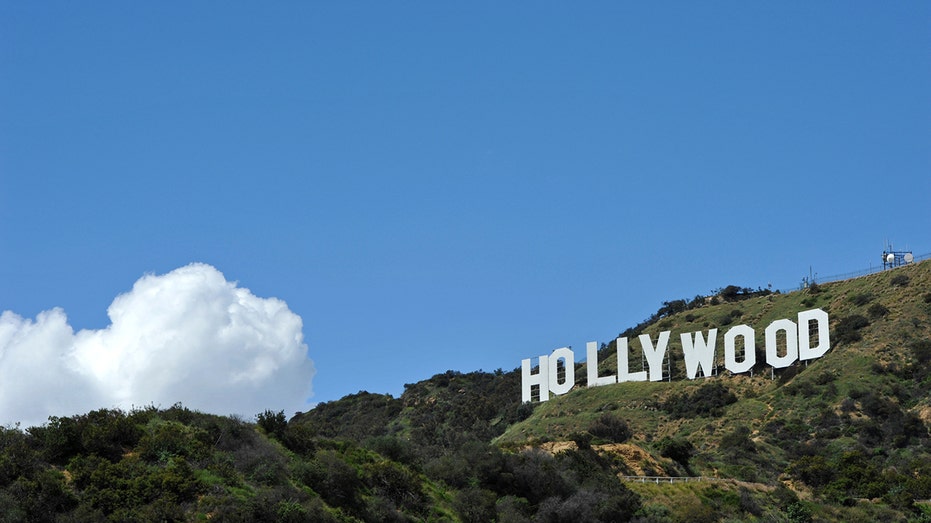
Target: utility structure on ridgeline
[(893, 258)]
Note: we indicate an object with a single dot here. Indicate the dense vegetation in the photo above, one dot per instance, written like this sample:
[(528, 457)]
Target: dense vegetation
[(845, 437), (180, 465)]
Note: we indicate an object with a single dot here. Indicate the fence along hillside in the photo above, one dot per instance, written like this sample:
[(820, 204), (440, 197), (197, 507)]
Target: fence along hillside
[(851, 275)]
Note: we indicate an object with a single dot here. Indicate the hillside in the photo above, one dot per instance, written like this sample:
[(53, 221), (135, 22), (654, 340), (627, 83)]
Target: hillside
[(848, 430), (843, 438), (823, 437)]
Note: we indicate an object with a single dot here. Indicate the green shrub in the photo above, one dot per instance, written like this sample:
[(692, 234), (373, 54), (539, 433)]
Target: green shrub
[(165, 439), (730, 293), (815, 471), (748, 503), (583, 440), (707, 400), (611, 428), (798, 512), (105, 433), (899, 280), (299, 438), (397, 484), (533, 475), (877, 310), (60, 439), (290, 512), (17, 457), (393, 448), (39, 497), (512, 509), (921, 351), (337, 482), (475, 505), (848, 329), (729, 317), (273, 423), (452, 470), (738, 441), (679, 450), (123, 488)]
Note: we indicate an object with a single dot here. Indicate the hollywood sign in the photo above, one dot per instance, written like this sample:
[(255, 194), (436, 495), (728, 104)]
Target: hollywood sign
[(698, 351)]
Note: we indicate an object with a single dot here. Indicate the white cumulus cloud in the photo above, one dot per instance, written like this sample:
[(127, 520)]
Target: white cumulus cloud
[(188, 336)]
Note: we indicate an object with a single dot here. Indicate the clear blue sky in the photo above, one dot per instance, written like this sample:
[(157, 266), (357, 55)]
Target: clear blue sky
[(435, 186)]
